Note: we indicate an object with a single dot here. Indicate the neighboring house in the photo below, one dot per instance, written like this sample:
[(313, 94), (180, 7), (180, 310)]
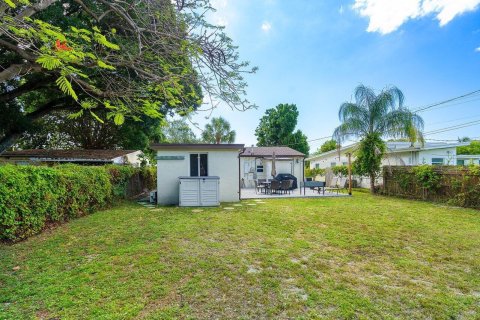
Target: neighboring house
[(397, 154), (468, 159), (88, 157), (194, 163), (256, 163)]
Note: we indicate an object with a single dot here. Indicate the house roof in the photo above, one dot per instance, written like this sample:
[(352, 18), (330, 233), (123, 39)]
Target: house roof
[(50, 154), (268, 152), (395, 147), (195, 146)]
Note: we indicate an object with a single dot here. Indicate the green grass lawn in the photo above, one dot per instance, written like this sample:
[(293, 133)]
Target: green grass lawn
[(360, 257)]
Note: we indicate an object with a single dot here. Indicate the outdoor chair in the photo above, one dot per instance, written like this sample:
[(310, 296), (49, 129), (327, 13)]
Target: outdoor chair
[(334, 186), (275, 186), (285, 185), (259, 187)]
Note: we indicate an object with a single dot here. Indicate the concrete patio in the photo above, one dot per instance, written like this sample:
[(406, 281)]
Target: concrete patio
[(249, 193)]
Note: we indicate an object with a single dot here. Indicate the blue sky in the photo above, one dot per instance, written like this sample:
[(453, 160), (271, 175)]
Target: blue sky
[(314, 53)]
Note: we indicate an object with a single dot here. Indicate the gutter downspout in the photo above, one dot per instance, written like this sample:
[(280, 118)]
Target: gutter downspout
[(303, 174)]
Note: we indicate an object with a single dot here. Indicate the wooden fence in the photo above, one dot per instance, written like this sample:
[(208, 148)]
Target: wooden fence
[(454, 185)]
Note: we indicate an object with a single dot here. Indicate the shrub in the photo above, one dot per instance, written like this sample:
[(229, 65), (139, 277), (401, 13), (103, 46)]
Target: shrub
[(33, 196), (314, 172), (341, 171), (427, 177)]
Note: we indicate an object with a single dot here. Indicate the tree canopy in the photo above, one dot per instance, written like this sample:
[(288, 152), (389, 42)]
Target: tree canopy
[(178, 131), (277, 128), (112, 61), (373, 117), (218, 131), (472, 148), (328, 145)]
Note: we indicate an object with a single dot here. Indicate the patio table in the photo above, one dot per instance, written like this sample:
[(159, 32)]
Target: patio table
[(267, 185), (314, 185)]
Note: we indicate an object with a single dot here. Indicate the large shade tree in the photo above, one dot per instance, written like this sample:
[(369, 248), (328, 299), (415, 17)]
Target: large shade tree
[(277, 128), (179, 131), (218, 131), (128, 58), (372, 118)]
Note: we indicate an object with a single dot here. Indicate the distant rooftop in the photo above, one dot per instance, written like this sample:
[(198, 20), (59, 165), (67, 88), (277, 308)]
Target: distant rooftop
[(49, 154)]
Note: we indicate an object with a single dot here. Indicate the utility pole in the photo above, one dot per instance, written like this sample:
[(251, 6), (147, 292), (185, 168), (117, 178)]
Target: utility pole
[(349, 173)]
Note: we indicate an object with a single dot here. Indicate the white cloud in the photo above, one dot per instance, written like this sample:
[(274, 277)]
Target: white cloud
[(224, 13), (341, 10), (388, 15), (266, 26), (478, 49)]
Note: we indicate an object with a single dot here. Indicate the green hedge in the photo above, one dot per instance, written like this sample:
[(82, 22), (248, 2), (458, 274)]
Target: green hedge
[(33, 196)]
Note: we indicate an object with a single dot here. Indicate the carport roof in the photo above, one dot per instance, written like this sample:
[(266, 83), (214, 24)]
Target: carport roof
[(262, 152)]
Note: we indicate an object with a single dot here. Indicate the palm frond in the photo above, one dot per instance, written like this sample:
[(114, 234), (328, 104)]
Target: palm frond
[(350, 110)]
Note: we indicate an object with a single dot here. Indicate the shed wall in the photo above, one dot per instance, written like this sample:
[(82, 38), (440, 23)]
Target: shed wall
[(221, 163)]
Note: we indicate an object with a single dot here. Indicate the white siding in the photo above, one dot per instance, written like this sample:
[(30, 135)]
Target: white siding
[(221, 163)]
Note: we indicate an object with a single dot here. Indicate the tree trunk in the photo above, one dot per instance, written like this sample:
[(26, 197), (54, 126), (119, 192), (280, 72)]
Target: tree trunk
[(372, 183)]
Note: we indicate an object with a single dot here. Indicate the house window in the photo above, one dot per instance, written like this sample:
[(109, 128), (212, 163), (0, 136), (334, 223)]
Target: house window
[(437, 161), (259, 168), (333, 164), (460, 162), (317, 165), (199, 165)]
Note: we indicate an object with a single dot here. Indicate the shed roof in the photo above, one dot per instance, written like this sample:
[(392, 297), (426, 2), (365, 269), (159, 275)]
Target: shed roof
[(83, 154), (195, 146), (268, 152)]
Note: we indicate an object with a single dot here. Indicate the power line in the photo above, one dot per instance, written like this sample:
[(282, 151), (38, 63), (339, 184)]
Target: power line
[(421, 109), (459, 126)]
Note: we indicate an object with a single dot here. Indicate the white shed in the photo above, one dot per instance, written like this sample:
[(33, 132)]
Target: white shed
[(175, 161)]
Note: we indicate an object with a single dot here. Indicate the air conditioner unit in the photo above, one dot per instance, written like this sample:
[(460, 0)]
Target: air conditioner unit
[(153, 196)]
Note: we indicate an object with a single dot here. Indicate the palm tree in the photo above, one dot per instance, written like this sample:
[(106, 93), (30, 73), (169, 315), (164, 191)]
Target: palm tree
[(373, 118), (218, 131)]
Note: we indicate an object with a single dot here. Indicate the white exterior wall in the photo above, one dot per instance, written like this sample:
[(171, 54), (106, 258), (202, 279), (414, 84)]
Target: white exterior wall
[(131, 158), (292, 165), (326, 162), (469, 159), (221, 163), (448, 154), (406, 158)]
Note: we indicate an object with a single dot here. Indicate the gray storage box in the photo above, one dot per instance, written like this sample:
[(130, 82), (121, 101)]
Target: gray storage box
[(199, 191)]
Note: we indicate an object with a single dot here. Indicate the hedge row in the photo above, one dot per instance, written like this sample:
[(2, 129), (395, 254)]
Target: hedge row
[(33, 196), (459, 186)]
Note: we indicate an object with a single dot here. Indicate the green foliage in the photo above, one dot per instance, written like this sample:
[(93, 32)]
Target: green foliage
[(218, 131), (473, 148), (341, 171), (276, 128), (427, 177), (328, 145), (149, 59), (312, 172), (405, 181), (178, 131), (374, 116), (369, 156), (33, 196)]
